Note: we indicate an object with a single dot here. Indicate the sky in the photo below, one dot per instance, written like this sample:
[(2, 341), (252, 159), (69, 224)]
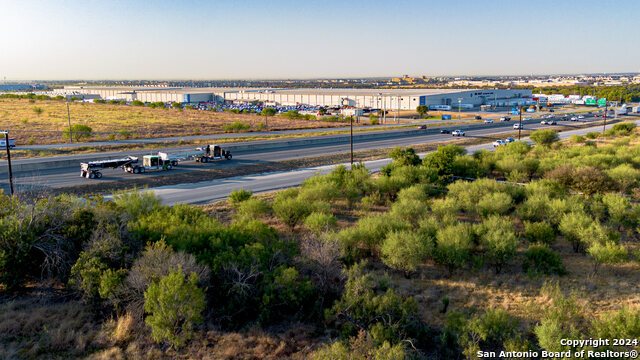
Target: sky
[(279, 39)]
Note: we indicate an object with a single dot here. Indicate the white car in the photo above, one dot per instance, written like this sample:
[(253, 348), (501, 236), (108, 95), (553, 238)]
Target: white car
[(499, 143), (528, 118), (543, 122), (488, 121), (580, 117), (574, 118), (516, 126), (457, 133)]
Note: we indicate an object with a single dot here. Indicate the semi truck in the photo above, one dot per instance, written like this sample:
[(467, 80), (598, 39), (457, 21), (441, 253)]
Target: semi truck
[(159, 161)]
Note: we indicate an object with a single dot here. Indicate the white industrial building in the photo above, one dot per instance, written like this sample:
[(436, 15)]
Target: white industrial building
[(391, 99)]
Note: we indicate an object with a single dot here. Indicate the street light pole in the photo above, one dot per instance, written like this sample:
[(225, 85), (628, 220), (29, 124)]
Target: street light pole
[(6, 143), (604, 124), (69, 117), (351, 140), (520, 126), (459, 104)]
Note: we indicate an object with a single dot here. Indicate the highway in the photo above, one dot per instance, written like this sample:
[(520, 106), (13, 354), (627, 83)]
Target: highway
[(213, 137), (210, 191), (70, 176)]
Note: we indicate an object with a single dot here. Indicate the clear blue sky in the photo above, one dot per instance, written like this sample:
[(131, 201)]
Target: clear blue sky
[(300, 39)]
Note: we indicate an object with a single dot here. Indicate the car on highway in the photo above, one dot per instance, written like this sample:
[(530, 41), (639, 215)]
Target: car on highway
[(488, 121), (509, 140), (422, 127), (499, 143), (528, 118), (543, 122), (478, 117), (580, 117), (516, 126), (445, 131), (574, 118), (505, 118), (457, 133), (551, 122)]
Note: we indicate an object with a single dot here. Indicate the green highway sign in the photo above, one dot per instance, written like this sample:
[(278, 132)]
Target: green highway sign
[(602, 102), (590, 102)]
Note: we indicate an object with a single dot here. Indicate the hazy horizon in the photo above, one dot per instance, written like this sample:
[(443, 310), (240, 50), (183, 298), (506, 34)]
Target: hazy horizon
[(283, 39)]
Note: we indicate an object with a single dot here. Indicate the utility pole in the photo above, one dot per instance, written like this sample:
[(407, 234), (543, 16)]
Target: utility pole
[(6, 143), (604, 124), (69, 117), (459, 104), (351, 140), (520, 126)]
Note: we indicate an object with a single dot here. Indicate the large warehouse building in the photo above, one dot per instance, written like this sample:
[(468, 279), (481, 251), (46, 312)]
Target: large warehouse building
[(392, 99)]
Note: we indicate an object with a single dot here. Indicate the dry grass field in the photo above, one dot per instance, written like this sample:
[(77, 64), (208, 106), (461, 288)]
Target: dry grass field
[(43, 121)]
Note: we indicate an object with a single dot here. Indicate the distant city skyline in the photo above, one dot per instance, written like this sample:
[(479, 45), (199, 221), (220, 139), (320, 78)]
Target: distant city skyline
[(285, 39)]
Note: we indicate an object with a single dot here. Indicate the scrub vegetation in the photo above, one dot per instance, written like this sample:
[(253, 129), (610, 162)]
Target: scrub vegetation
[(439, 257), (47, 122)]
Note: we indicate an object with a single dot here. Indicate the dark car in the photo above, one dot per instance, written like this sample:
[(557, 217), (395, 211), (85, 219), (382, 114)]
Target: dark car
[(550, 110), (478, 117), (422, 127), (445, 131)]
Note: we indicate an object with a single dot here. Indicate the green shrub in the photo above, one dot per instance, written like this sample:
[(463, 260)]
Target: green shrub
[(495, 203), (590, 180), (453, 246), (292, 210), (577, 139), (442, 159), (592, 135), (607, 253), (239, 195), (137, 103), (252, 209), (405, 251), (539, 259), (404, 156), (539, 233), (486, 331), (620, 129), (78, 132), (410, 211), (620, 324), (136, 203), (544, 137), (175, 305), (498, 239), (562, 319), (37, 110), (360, 348), (236, 126), (573, 225), (321, 222), (367, 300), (446, 210), (625, 177), (373, 120)]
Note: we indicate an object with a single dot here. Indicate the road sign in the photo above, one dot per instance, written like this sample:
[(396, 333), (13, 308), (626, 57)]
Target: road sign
[(591, 102), (446, 117), (602, 102)]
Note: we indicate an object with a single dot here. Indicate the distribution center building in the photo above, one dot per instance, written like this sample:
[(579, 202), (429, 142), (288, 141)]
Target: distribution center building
[(391, 99)]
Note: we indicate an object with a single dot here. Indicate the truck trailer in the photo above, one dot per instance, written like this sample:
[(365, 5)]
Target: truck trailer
[(159, 161)]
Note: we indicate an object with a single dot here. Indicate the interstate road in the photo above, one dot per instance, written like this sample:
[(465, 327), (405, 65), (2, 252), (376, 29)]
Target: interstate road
[(219, 189), (70, 176), (213, 137)]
